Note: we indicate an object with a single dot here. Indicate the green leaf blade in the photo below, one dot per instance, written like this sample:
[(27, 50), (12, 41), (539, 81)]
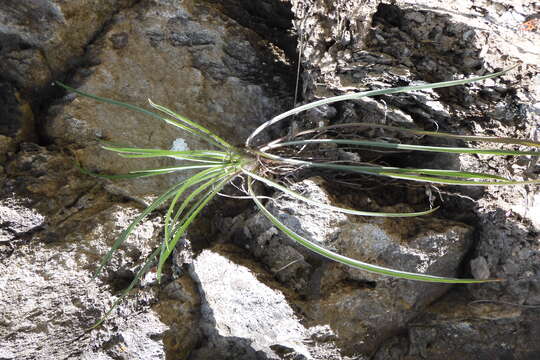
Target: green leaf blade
[(386, 145)]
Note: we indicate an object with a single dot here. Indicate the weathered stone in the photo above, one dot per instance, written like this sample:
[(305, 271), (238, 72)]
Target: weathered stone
[(16, 119), (457, 328), (55, 223), (356, 304), (242, 317), (185, 56), (48, 297), (54, 227), (270, 19), (41, 39), (178, 308)]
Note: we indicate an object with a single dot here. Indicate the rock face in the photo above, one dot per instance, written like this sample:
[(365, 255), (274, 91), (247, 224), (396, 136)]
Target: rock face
[(39, 40), (186, 56), (459, 328), (417, 41), (247, 291), (360, 307), (56, 223), (55, 228), (241, 317)]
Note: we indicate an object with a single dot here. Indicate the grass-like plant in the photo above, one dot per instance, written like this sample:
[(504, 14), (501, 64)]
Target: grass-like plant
[(223, 162)]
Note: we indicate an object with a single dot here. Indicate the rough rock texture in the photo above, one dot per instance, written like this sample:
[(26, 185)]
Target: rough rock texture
[(255, 321), (185, 56), (55, 227), (361, 308), (55, 223), (459, 328), (40, 39), (16, 120), (417, 41), (242, 318), (221, 63), (39, 42)]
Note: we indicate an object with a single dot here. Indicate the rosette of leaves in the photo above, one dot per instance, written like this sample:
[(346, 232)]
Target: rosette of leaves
[(223, 162)]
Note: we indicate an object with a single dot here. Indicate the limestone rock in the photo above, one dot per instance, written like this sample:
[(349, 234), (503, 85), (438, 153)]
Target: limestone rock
[(54, 228)]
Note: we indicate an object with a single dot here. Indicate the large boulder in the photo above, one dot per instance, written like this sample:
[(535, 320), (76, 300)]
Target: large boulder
[(186, 56), (361, 308)]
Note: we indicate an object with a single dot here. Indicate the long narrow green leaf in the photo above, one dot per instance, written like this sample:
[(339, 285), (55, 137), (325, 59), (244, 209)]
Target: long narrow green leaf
[(190, 153), (124, 235), (381, 144), (188, 219), (193, 195), (166, 246), (179, 157), (377, 170), (352, 262), (119, 176), (193, 124), (128, 176), (368, 93), (178, 168), (195, 179), (330, 207), (491, 139), (148, 172), (192, 131), (435, 172), (173, 233), (436, 180), (419, 175)]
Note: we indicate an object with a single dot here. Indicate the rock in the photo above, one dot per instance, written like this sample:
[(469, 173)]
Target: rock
[(55, 225), (16, 119), (185, 56), (178, 308), (356, 304), (243, 318), (480, 268), (17, 219), (414, 41), (58, 272), (271, 20), (509, 248), (6, 145), (199, 58), (456, 328), (39, 40)]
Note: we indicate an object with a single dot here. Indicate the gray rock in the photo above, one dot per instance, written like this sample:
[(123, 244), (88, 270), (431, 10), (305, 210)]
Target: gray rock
[(433, 41), (55, 226), (40, 39), (241, 316), (356, 304), (480, 268), (457, 329)]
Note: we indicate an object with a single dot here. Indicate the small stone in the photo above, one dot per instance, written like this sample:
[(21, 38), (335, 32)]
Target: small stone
[(480, 268)]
